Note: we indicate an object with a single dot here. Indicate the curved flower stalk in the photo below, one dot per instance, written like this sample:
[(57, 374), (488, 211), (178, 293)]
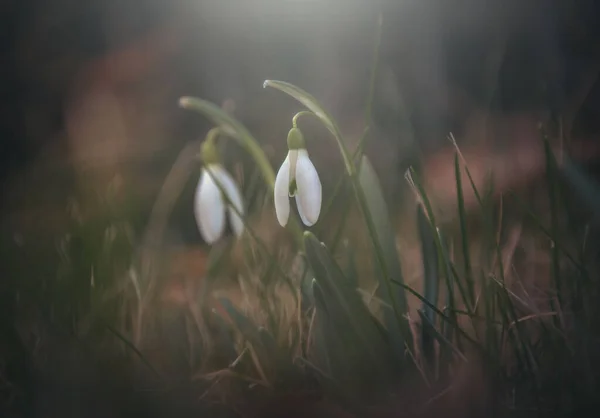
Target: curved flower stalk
[(297, 178), (216, 194)]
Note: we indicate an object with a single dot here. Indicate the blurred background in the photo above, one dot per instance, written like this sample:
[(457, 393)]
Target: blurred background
[(90, 89), (90, 124)]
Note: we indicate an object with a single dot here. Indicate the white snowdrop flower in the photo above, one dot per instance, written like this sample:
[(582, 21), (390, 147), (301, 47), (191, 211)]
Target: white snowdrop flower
[(297, 178), (211, 202)]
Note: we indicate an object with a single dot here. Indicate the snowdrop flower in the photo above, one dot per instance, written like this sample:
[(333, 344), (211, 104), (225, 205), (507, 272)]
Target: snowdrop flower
[(297, 178), (210, 203)]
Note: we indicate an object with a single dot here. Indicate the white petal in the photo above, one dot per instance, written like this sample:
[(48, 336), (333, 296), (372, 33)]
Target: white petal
[(209, 209), (301, 212), (235, 197), (282, 188), (309, 189)]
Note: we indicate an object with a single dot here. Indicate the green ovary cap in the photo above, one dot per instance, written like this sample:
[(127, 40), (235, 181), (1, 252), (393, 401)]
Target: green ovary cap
[(208, 151), (295, 139)]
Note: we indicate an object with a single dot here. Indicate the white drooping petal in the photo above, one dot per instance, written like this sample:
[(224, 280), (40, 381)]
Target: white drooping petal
[(301, 212), (209, 208), (281, 192), (234, 196), (309, 189)]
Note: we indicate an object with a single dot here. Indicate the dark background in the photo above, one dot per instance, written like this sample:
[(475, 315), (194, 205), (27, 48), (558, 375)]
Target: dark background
[(89, 91), (437, 53)]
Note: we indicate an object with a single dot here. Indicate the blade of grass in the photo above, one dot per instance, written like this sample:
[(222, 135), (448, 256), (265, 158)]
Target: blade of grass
[(431, 283), (264, 357), (445, 344), (462, 217), (551, 170), (372, 84), (445, 318), (351, 270), (341, 302), (400, 333), (133, 348), (430, 263), (540, 225), (415, 183), (584, 184)]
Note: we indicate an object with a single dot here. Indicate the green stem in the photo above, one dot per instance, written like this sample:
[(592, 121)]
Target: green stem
[(372, 83), (233, 129), (368, 110), (301, 113), (333, 128)]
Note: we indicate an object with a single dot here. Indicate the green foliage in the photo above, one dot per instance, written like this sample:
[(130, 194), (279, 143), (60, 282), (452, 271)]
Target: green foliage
[(385, 238), (327, 336)]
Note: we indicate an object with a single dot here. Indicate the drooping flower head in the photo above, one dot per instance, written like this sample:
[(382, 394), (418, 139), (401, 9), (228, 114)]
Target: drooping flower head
[(297, 178), (216, 194)]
